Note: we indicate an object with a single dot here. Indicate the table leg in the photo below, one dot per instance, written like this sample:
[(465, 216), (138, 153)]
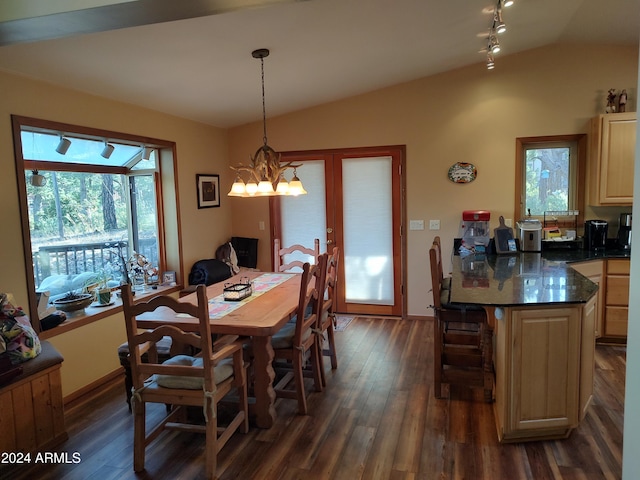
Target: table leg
[(263, 382)]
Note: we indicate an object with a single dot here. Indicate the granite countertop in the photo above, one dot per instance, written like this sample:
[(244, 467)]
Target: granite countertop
[(523, 278)]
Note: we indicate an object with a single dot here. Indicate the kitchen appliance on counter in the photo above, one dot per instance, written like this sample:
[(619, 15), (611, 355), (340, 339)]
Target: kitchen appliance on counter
[(475, 229), (530, 233), (624, 231), (595, 234)]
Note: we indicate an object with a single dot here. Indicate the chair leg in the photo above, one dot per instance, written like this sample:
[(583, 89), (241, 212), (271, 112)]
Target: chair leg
[(332, 347), (437, 356), (487, 349), (243, 402), (318, 345), (211, 440), (139, 435), (299, 382), (316, 365)]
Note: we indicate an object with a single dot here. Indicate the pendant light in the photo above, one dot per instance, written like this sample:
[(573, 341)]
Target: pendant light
[(266, 173)]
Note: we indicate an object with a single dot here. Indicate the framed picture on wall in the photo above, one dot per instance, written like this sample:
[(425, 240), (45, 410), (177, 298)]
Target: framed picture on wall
[(208, 187)]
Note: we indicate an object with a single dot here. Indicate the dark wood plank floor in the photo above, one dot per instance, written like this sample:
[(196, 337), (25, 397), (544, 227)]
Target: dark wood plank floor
[(378, 419)]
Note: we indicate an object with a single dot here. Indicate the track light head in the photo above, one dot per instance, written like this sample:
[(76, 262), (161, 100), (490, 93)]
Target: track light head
[(490, 61), (498, 23), (63, 145), (107, 150)]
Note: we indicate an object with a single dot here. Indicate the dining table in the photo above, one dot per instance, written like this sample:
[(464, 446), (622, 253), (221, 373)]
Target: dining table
[(272, 303)]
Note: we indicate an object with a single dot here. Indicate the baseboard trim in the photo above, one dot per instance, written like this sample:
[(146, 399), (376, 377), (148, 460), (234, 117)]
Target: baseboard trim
[(90, 389)]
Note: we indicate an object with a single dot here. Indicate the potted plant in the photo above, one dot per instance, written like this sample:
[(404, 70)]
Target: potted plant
[(74, 300), (102, 289)]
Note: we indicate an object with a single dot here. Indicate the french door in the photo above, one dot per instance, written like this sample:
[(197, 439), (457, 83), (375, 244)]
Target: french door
[(354, 201)]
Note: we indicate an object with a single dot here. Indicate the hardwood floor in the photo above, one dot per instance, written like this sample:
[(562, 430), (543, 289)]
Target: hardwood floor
[(377, 419)]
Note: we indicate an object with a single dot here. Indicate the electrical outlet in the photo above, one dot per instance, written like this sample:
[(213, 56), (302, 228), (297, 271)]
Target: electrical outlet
[(434, 224), (261, 225), (508, 222)]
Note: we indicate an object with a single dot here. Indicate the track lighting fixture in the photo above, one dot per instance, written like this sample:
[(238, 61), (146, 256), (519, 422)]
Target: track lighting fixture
[(63, 145), (107, 150), (496, 27)]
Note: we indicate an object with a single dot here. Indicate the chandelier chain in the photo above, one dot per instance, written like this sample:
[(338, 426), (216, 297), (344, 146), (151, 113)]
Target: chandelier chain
[(264, 109)]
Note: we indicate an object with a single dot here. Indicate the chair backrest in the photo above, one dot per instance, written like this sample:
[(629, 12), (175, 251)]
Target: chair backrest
[(292, 258), (311, 291), (328, 305), (435, 260), (144, 341), (438, 245)]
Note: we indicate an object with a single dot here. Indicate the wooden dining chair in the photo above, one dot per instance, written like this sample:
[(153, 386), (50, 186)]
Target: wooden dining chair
[(181, 381), (463, 340), (327, 314), (287, 259), (297, 342)]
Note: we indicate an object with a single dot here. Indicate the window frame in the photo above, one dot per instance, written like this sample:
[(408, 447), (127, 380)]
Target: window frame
[(165, 158), (577, 180)]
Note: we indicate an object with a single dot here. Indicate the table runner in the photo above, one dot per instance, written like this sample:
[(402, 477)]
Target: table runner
[(219, 307)]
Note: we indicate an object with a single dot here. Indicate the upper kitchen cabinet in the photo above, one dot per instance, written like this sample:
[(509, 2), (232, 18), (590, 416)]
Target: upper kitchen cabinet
[(612, 158)]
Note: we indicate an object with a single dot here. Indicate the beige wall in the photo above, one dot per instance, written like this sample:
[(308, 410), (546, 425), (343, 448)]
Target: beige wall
[(470, 115), (90, 352)]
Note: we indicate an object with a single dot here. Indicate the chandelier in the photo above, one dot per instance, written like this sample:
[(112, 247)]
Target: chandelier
[(265, 172)]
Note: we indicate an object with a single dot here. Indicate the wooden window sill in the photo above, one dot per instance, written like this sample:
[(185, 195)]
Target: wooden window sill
[(91, 314)]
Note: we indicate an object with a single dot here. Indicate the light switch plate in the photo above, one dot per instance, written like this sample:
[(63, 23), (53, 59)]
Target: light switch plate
[(416, 224)]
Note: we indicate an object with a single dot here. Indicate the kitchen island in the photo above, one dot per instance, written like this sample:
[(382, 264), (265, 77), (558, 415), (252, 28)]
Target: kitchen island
[(543, 315)]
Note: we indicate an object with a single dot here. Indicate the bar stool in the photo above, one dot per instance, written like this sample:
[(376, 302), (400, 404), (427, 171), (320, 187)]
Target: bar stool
[(463, 339)]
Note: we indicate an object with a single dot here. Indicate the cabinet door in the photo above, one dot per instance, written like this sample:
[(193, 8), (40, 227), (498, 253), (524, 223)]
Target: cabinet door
[(594, 271), (545, 369), (587, 356), (613, 154)]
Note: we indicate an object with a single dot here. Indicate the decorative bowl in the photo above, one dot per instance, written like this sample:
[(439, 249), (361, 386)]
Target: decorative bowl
[(71, 303)]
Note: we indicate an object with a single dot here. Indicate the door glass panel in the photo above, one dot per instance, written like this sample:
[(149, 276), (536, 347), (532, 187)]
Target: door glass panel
[(368, 230), (304, 216)]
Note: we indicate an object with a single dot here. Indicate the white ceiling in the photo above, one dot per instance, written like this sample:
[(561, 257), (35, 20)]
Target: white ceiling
[(201, 68)]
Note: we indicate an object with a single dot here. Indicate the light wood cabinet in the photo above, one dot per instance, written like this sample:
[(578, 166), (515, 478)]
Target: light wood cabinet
[(31, 412), (587, 355), (594, 271), (544, 370), (616, 311), (612, 158)]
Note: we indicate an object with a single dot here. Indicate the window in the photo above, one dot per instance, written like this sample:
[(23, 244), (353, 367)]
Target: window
[(87, 210), (551, 175)]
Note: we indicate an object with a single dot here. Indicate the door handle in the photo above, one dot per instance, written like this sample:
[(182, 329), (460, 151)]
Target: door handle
[(329, 242)]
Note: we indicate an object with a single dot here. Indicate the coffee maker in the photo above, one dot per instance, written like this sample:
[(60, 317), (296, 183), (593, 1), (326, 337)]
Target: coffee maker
[(595, 234), (624, 231)]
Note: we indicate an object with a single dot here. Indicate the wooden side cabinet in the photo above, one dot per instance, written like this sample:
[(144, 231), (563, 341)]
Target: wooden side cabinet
[(612, 157), (594, 271), (616, 311), (31, 407)]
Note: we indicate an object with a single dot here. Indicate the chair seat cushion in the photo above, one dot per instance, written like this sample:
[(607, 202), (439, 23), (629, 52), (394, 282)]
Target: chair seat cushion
[(284, 337), (221, 372)]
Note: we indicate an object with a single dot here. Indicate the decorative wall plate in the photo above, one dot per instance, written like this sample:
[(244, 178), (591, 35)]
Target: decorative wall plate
[(461, 172)]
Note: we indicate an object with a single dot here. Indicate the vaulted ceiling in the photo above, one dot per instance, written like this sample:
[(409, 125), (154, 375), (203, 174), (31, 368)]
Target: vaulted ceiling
[(193, 58)]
